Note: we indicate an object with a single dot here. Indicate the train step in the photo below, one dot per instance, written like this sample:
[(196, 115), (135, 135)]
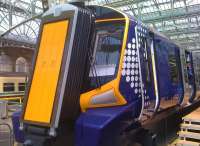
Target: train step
[(190, 127), (186, 134), (186, 143)]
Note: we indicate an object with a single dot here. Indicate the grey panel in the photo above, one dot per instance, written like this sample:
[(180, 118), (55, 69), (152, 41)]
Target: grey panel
[(66, 7), (107, 97), (57, 10)]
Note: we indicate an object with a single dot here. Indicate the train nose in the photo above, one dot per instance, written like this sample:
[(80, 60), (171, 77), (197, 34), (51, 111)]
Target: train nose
[(59, 67)]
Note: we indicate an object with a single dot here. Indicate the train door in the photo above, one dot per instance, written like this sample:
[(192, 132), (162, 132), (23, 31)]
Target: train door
[(145, 47), (153, 89), (184, 74), (190, 75), (196, 65)]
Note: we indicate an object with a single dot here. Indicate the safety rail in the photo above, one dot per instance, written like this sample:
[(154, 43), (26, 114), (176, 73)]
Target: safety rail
[(6, 135), (14, 102), (11, 94)]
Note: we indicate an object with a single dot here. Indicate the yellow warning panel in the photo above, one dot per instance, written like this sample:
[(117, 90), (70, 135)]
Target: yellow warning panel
[(46, 73)]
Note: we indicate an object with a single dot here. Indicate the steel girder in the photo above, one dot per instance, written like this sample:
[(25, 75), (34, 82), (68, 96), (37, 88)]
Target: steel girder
[(171, 17), (19, 21), (12, 12)]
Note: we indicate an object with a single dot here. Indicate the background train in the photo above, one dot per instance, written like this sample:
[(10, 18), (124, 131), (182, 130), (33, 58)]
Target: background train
[(12, 86), (98, 72), (14, 70)]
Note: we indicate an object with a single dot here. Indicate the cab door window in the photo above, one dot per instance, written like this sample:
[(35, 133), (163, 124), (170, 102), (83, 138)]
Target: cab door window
[(108, 44)]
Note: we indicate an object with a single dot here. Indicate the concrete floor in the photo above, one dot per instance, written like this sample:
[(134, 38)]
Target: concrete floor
[(17, 144)]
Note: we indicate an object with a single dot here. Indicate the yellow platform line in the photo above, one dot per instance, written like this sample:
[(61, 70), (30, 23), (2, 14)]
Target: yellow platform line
[(12, 98)]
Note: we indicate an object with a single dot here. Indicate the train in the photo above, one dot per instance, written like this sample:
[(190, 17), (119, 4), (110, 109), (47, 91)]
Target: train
[(12, 86), (97, 73), (13, 75)]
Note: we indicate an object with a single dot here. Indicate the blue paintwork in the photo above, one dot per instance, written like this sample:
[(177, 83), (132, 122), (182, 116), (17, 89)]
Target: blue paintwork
[(167, 89), (125, 86), (103, 126), (145, 59)]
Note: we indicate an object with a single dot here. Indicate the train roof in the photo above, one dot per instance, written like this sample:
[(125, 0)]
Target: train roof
[(115, 13), (131, 17)]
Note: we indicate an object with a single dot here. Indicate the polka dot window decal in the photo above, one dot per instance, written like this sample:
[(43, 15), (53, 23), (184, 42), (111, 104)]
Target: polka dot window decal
[(142, 33), (132, 87), (130, 68)]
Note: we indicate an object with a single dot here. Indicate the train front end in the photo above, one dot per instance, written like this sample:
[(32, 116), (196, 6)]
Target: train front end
[(76, 77)]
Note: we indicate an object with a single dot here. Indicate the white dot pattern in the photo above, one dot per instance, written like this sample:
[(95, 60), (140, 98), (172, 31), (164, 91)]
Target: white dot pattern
[(142, 33), (131, 85), (130, 68)]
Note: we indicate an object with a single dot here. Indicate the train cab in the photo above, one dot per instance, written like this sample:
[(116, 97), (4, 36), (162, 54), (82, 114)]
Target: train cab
[(141, 74)]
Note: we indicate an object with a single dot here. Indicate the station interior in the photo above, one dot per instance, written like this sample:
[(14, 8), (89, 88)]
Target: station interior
[(53, 94)]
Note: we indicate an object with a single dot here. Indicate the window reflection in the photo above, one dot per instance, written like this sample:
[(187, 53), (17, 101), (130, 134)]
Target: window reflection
[(173, 66), (108, 44)]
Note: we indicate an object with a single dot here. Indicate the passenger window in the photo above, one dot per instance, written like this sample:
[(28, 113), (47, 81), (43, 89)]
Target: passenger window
[(147, 60), (8, 87), (173, 66), (21, 87)]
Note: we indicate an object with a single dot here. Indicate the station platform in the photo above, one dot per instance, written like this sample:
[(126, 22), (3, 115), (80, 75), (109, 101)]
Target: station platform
[(163, 127)]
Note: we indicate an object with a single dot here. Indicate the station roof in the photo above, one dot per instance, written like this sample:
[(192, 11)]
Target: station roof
[(179, 20), (15, 13)]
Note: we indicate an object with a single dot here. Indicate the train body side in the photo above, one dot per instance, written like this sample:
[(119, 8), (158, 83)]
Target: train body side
[(107, 123), (170, 79)]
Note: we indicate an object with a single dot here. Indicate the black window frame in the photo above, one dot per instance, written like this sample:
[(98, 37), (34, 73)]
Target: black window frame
[(21, 87), (8, 87), (147, 61), (173, 69)]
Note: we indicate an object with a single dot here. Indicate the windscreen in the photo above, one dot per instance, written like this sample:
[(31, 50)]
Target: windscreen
[(108, 44)]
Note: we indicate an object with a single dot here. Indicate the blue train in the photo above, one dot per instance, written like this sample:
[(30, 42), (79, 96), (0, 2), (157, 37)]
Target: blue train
[(98, 72)]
